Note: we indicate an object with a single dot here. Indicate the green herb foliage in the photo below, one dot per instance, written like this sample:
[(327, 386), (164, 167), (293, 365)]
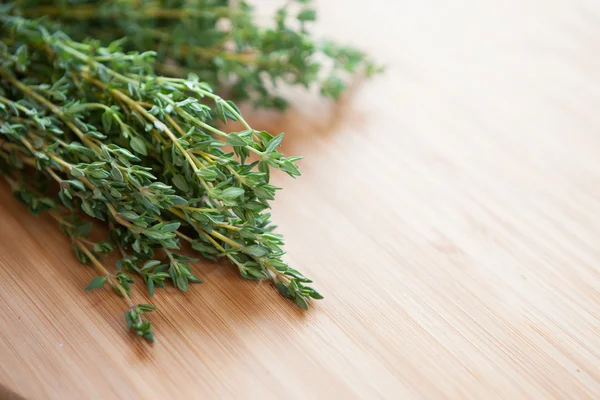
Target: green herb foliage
[(219, 40), (147, 155)]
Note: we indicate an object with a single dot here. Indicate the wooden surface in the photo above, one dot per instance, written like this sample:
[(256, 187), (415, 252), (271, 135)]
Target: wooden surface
[(449, 210)]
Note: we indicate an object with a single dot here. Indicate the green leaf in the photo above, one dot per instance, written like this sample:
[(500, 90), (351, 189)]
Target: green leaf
[(232, 192), (129, 317), (138, 146), (256, 251), (150, 264), (301, 301), (283, 289), (77, 173), (293, 286), (182, 283), (150, 284), (85, 206), (103, 73), (107, 120), (194, 279), (137, 247), (96, 283), (159, 126), (274, 143), (203, 248), (76, 184), (180, 182), (84, 228), (263, 167), (207, 173), (178, 201), (130, 215), (170, 227), (253, 273), (146, 307), (116, 174), (22, 58), (234, 139), (149, 336)]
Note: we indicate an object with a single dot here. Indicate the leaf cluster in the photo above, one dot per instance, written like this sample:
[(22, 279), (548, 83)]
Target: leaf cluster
[(220, 40), (147, 154)]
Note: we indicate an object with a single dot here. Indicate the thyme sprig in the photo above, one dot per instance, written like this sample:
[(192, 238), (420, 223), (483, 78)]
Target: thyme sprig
[(148, 155)]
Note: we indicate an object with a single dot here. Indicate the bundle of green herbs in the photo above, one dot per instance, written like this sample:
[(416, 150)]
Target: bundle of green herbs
[(218, 40), (88, 130)]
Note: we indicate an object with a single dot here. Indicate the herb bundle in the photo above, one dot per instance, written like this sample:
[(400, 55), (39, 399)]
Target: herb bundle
[(219, 40), (89, 131)]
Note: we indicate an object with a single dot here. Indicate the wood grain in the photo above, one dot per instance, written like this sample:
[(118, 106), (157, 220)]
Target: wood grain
[(449, 210)]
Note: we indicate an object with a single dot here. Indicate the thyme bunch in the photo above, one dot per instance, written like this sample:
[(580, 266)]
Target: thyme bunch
[(219, 40), (91, 132)]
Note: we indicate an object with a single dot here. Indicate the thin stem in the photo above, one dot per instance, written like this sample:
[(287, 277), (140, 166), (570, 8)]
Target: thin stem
[(170, 255), (184, 237), (174, 124), (213, 233), (61, 162), (9, 146), (125, 255), (16, 105), (86, 241), (89, 105), (54, 175), (60, 219), (225, 239), (28, 145), (104, 272), (226, 226), (240, 266), (68, 167), (11, 182), (283, 278), (204, 154), (120, 219), (231, 110)]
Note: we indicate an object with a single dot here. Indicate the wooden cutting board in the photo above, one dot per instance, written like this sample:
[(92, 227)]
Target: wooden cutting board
[(449, 210)]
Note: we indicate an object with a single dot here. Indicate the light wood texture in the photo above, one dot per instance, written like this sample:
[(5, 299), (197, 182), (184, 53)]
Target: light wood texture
[(449, 210)]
